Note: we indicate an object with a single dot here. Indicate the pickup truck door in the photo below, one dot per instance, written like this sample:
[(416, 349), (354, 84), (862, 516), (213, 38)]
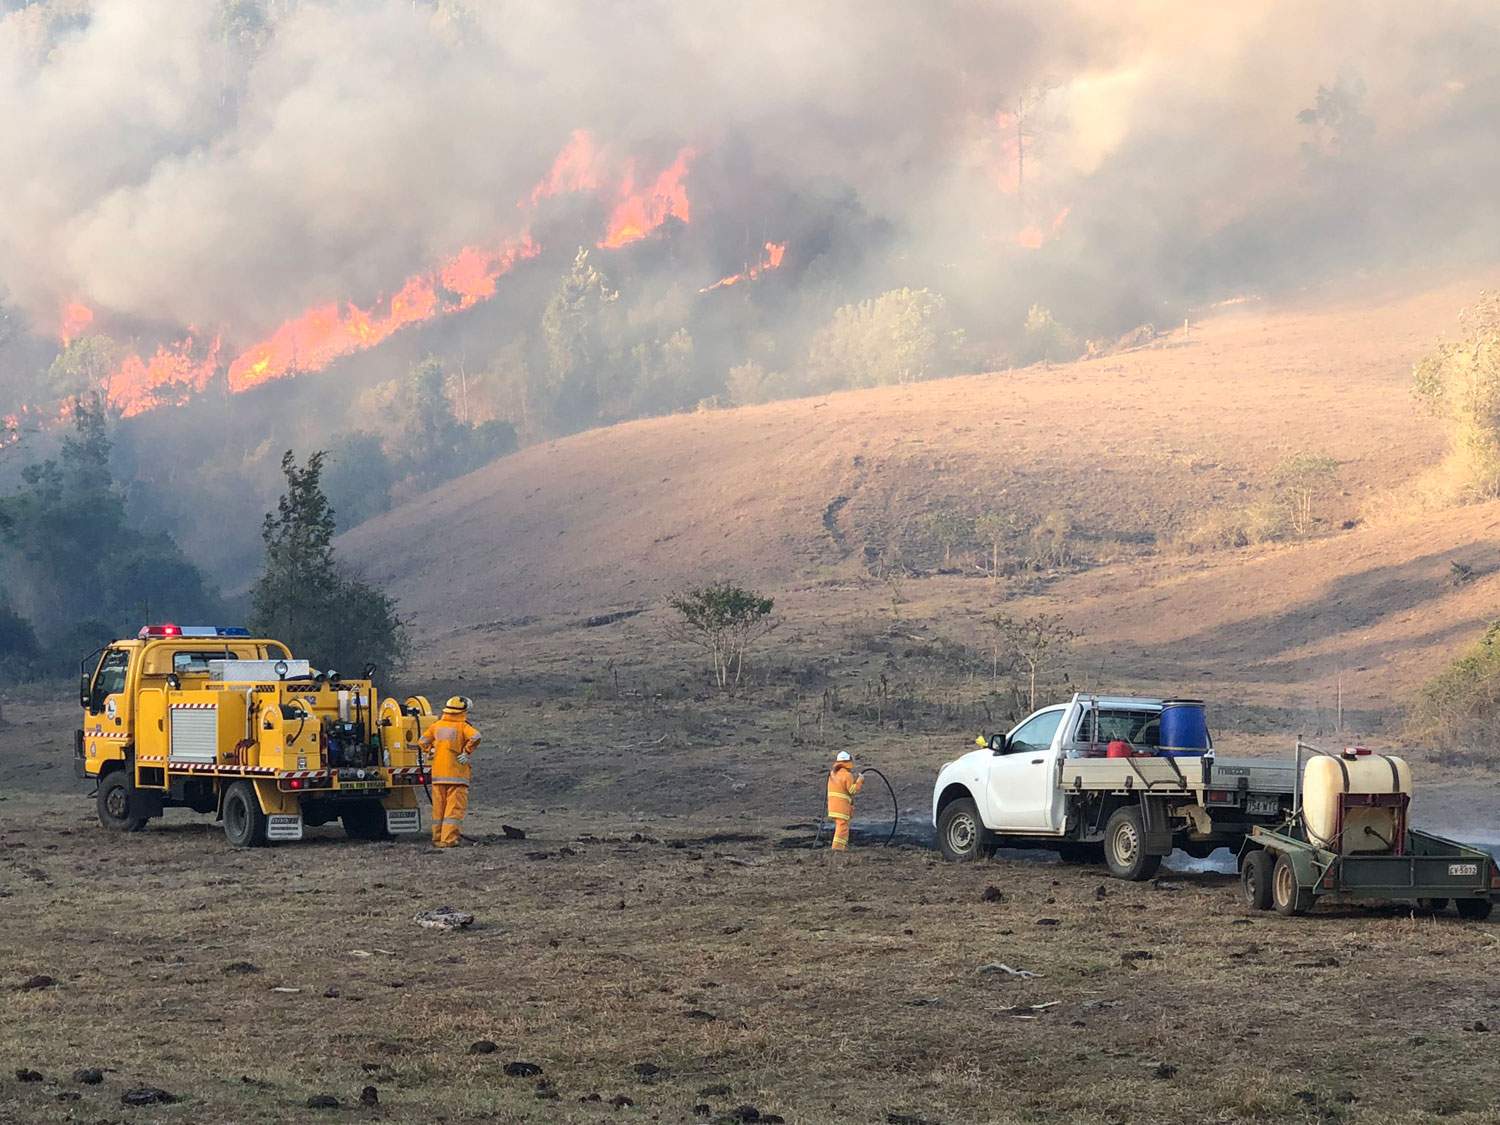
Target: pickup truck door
[(1023, 780)]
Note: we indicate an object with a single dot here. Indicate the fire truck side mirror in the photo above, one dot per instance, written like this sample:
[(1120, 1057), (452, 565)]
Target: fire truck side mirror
[(174, 681)]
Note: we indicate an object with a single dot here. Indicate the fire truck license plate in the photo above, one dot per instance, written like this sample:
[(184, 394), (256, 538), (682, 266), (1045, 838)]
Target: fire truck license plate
[(1463, 869), (361, 785)]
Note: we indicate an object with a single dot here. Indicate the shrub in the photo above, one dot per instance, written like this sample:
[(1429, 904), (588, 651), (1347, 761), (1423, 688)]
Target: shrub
[(1459, 382), (1456, 710), (903, 336), (724, 620), (1044, 340)]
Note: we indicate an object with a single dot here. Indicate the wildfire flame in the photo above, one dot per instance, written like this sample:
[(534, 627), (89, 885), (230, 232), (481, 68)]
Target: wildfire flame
[(315, 338), (775, 251), (638, 213), (76, 317), (1032, 237)]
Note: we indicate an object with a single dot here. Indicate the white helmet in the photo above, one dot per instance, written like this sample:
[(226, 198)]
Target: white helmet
[(843, 756)]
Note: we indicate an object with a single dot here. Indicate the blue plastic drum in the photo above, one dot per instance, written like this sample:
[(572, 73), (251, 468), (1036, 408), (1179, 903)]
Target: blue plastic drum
[(1184, 728)]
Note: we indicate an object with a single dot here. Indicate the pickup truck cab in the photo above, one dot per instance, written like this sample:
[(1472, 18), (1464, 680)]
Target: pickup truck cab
[(1045, 784)]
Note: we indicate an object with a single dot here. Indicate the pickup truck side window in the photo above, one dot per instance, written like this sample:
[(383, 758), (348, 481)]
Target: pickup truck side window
[(1036, 733)]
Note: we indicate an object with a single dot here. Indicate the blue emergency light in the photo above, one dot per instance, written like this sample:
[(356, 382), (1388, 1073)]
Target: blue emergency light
[(151, 632)]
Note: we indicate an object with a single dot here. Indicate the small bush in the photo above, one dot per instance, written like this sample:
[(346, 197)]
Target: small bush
[(1457, 709), (1459, 382), (1044, 340), (1265, 521)]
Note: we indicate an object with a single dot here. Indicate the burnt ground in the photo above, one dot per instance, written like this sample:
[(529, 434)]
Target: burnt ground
[(659, 957)]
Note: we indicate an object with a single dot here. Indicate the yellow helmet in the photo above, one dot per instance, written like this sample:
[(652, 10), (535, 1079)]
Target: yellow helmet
[(458, 704)]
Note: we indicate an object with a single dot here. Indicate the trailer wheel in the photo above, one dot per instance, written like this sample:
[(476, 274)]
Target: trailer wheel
[(1255, 879), (962, 836), (244, 823), (115, 797), (365, 820), (1125, 846), (1290, 898), (1474, 909)]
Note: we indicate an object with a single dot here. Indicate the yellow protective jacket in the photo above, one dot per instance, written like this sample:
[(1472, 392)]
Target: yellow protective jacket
[(443, 742), (842, 785)]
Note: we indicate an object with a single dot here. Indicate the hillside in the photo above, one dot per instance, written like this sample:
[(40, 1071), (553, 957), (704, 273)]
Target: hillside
[(1132, 447)]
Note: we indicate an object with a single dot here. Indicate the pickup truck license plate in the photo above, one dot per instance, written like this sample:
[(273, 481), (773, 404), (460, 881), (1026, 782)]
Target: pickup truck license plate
[(1463, 869), (361, 785), (1257, 804)]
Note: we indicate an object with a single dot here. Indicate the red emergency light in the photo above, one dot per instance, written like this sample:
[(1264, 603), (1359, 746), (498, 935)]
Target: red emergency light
[(158, 631)]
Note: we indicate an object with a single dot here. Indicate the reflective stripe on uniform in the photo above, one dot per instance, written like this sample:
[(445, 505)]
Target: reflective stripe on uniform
[(838, 816), (450, 780)]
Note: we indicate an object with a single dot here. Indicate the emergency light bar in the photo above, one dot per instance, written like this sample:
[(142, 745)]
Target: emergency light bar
[(153, 631)]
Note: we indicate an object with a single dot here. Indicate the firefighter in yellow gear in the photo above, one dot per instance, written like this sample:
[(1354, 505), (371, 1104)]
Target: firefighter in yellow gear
[(843, 784), (448, 747)]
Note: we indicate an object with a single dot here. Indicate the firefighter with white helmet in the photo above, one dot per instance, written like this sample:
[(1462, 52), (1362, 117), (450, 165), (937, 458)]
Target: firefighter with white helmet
[(449, 745), (843, 784)]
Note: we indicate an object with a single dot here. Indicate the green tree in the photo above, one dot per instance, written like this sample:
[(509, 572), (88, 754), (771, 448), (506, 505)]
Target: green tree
[(74, 558), (83, 368), (302, 597), (1459, 382), (995, 530), (1340, 127), (358, 478), (1044, 340), (574, 334), (724, 620), (947, 528), (902, 336)]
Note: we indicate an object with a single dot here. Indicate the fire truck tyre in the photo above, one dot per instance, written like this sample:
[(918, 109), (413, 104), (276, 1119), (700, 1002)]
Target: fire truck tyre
[(1432, 905), (244, 823), (1125, 846), (1080, 853), (1474, 909), (116, 796), (962, 836), (1255, 879), (1288, 896), (365, 820)]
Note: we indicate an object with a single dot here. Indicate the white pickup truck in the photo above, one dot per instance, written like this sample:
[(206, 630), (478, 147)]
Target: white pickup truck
[(1043, 785)]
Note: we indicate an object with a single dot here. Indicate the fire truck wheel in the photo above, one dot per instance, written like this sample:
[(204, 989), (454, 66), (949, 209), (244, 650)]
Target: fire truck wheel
[(1474, 909), (116, 795), (1255, 879), (1125, 846), (244, 823), (365, 820)]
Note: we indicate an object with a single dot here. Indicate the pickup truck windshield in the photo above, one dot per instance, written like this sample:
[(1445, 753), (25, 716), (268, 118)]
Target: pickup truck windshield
[(1037, 732)]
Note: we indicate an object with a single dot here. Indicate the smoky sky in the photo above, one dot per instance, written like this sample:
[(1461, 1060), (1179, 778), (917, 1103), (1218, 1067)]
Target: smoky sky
[(227, 165)]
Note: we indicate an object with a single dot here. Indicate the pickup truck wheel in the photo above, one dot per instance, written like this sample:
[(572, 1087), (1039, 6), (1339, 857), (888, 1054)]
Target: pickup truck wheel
[(1289, 898), (244, 823), (962, 836), (1474, 909), (1125, 846), (115, 797), (1255, 879)]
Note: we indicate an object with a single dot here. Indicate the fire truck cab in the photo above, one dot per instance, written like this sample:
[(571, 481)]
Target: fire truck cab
[(212, 719)]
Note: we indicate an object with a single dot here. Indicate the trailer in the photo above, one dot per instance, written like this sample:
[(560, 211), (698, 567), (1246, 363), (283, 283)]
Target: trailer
[(1369, 852)]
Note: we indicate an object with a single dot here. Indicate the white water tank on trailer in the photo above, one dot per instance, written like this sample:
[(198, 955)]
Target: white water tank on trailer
[(1326, 779)]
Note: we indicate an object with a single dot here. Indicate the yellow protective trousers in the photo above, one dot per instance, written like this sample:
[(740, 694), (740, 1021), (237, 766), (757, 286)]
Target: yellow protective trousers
[(840, 833), (449, 803)]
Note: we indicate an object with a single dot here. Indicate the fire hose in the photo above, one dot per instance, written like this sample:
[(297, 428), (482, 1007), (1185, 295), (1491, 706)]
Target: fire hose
[(895, 810)]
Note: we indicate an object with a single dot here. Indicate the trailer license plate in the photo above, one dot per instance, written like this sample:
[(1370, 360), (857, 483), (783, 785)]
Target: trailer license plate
[(361, 785), (1261, 805), (1463, 869)]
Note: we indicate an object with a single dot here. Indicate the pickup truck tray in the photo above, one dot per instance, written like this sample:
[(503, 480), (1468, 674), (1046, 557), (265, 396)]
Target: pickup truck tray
[(1179, 775)]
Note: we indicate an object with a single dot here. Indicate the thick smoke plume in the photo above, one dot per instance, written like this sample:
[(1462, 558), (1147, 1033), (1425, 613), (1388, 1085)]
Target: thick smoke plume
[(223, 166)]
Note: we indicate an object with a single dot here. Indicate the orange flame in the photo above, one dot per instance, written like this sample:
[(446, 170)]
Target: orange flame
[(1006, 167), (775, 251), (1032, 237), (637, 214), (76, 316), (317, 337)]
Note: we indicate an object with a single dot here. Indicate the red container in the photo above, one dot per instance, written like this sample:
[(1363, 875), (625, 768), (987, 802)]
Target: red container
[(1119, 749)]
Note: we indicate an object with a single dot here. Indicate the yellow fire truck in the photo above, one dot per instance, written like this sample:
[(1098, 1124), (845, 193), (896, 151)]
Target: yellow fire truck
[(212, 719)]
